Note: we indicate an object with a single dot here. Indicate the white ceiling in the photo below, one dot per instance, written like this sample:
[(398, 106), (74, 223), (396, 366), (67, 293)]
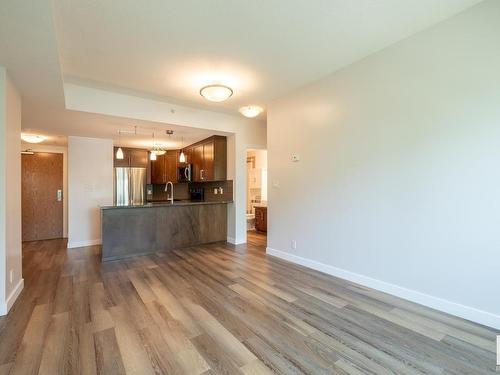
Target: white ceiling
[(169, 49), (260, 48), (32, 60), (124, 132)]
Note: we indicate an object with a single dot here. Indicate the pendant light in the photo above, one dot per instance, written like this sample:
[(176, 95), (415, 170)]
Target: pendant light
[(182, 156), (119, 152), (152, 154)]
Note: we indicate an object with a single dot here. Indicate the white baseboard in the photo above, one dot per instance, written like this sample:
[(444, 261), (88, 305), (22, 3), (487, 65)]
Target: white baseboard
[(453, 308), (5, 306), (73, 244), (235, 241)]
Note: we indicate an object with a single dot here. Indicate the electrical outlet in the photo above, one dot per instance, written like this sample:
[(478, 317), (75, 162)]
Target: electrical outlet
[(11, 276), (221, 190), (216, 191), (294, 245)]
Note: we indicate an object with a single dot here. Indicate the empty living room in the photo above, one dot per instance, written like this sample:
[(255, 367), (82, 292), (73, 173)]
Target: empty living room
[(250, 187)]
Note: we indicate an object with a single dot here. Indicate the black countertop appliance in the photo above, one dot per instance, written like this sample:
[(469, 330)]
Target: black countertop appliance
[(197, 194)]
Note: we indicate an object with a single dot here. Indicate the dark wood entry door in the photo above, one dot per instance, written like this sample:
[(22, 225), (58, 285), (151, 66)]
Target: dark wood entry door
[(42, 202)]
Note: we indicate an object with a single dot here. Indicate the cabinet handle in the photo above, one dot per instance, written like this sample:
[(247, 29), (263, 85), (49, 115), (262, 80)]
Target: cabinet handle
[(201, 174)]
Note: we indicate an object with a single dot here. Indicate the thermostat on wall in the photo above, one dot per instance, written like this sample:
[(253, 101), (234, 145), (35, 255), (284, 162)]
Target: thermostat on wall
[(295, 157)]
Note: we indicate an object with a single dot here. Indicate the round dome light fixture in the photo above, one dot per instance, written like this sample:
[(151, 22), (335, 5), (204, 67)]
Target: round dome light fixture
[(251, 111), (216, 93), (32, 138), (158, 149)]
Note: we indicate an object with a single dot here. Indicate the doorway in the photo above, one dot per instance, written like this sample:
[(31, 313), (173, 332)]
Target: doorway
[(42, 200), (257, 197)]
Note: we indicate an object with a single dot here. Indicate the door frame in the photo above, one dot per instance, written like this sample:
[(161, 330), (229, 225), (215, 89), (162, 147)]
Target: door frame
[(247, 149), (55, 150)]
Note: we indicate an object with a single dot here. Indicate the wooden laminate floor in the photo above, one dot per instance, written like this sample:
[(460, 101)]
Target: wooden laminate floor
[(218, 309), (257, 240)]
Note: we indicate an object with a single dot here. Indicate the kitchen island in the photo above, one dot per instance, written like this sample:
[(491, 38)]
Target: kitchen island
[(132, 230)]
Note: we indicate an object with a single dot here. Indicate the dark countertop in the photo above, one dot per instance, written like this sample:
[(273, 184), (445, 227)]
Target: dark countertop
[(163, 204)]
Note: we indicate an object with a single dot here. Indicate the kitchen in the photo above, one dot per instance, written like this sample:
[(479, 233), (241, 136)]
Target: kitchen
[(167, 199)]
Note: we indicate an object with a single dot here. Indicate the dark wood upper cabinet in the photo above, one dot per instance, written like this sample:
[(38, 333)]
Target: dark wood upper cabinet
[(197, 162), (164, 168), (158, 175), (132, 157), (220, 159), (189, 155), (209, 159), (171, 163), (138, 158), (125, 162)]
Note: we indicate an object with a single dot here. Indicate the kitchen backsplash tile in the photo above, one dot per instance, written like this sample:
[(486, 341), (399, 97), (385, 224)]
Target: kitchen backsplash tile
[(181, 191)]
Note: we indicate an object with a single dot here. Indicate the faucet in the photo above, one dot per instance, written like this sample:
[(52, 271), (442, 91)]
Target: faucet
[(171, 199)]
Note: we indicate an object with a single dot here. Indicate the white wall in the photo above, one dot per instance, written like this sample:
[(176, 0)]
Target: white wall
[(10, 194), (398, 183), (246, 134), (90, 184), (260, 158), (57, 150)]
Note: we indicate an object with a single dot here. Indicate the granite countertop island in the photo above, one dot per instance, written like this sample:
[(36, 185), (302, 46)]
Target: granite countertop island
[(164, 204), (130, 230)]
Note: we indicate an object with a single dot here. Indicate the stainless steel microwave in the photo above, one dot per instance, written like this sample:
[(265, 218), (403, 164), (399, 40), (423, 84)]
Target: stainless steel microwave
[(184, 173)]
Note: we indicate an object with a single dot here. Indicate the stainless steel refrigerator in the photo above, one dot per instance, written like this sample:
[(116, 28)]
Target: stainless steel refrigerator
[(129, 186)]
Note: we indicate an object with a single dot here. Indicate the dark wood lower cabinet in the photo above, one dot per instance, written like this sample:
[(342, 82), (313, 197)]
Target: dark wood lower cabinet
[(261, 219)]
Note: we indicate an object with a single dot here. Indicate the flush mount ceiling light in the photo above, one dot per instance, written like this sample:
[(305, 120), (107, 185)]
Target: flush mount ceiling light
[(251, 111), (216, 93), (32, 138)]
